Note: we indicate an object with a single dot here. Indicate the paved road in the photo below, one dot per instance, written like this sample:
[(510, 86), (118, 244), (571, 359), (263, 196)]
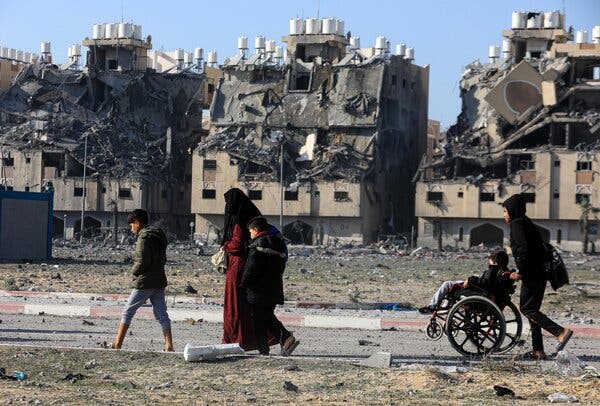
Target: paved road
[(406, 346)]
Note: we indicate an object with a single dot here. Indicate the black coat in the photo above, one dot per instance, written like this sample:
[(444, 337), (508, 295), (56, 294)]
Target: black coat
[(525, 241), (262, 279), (494, 280)]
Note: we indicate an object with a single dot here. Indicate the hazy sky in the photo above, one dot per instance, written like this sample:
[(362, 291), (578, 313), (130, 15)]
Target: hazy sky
[(446, 34)]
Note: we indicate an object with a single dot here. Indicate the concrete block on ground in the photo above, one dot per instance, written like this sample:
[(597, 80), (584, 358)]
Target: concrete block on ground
[(380, 359)]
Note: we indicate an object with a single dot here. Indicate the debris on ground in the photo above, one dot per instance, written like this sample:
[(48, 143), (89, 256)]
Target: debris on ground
[(559, 397), (369, 343), (504, 391), (287, 385), (73, 377), (380, 359), (568, 364)]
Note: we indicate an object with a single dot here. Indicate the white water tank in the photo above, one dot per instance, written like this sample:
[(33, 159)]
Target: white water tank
[(506, 47), (410, 54), (259, 42), (188, 58), (401, 49), (125, 30), (3, 52), (45, 47), (198, 54), (12, 53), (552, 19), (596, 34), (77, 49), (313, 26), (340, 27), (329, 26), (33, 58), (137, 31), (19, 56), (97, 31), (271, 45), (535, 21), (26, 57), (70, 52), (179, 54), (278, 53), (380, 43), (581, 37), (212, 58), (242, 43), (354, 42), (518, 20), (296, 26), (110, 31), (494, 51)]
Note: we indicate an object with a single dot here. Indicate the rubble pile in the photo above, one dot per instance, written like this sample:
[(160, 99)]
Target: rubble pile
[(132, 120)]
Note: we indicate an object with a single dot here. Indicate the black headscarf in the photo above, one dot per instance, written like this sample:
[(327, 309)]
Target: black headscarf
[(239, 210), (515, 206)]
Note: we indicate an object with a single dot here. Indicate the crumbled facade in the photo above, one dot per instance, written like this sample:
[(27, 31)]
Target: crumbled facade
[(125, 129), (351, 128), (529, 124)]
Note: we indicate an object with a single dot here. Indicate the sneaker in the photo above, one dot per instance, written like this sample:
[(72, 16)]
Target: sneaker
[(426, 310), (289, 346)]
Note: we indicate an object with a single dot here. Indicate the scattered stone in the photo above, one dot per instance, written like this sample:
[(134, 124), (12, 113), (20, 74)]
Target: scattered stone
[(90, 364), (380, 359), (73, 377), (568, 365), (88, 323), (56, 276), (287, 385), (367, 342), (504, 391), (190, 289), (559, 397), (291, 367), (129, 385)]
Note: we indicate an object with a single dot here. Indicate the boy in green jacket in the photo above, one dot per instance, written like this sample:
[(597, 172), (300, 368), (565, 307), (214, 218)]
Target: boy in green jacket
[(149, 279)]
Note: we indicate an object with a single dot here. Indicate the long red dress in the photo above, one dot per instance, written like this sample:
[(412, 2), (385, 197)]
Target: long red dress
[(237, 321)]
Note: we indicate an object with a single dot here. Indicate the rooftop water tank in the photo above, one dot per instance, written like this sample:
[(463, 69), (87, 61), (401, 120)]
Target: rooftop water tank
[(329, 26), (596, 34), (45, 47), (551, 19), (242, 43), (110, 31), (535, 20), (380, 42), (340, 27), (581, 37), (259, 42), (296, 25), (271, 45), (518, 19), (179, 54), (313, 26), (33, 58), (401, 49), (70, 52), (125, 30), (3, 52), (97, 31), (494, 51), (506, 47), (198, 54), (212, 58), (26, 56), (77, 49), (12, 53), (410, 53), (137, 31), (19, 56), (187, 58), (278, 52), (355, 42)]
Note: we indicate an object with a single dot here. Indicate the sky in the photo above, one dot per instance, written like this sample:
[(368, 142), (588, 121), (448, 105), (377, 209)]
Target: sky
[(446, 34)]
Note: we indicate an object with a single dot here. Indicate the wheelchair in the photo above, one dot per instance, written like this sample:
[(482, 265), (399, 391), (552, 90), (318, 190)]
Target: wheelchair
[(476, 323)]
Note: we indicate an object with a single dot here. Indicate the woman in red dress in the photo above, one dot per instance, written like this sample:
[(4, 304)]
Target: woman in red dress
[(237, 324)]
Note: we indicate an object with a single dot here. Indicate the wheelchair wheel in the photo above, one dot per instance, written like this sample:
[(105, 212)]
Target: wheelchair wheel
[(435, 330), (514, 328), (475, 326)]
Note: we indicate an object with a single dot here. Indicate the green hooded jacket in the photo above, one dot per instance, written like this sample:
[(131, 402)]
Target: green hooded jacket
[(148, 268)]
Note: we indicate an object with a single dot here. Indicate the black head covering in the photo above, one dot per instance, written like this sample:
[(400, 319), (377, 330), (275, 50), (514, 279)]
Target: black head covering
[(515, 206), (239, 210)]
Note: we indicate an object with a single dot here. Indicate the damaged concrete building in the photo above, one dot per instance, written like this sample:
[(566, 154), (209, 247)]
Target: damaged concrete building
[(108, 138), (529, 124), (342, 128)]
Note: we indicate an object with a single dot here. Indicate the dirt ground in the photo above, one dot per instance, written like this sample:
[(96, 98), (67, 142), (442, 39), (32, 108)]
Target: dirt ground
[(312, 275), (110, 377)]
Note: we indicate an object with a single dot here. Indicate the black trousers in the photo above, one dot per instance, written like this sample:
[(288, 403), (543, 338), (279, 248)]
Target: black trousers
[(532, 295), (264, 320)]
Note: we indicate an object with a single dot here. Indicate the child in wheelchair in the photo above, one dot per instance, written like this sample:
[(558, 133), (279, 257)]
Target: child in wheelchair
[(495, 283)]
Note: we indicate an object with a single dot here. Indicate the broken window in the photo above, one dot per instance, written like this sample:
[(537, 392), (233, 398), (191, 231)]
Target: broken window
[(112, 64), (209, 164), (27, 160), (582, 198), (255, 194), (78, 191), (252, 168), (27, 188), (8, 161), (460, 234), (584, 165), (124, 193), (340, 196), (558, 236), (209, 170), (394, 80), (300, 78), (528, 197), (461, 194), (556, 195), (103, 189), (209, 194), (487, 197), (435, 196), (556, 164), (289, 195)]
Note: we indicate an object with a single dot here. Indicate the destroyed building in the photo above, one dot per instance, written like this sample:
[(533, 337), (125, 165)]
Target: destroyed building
[(107, 138), (329, 139), (11, 62), (529, 124)]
